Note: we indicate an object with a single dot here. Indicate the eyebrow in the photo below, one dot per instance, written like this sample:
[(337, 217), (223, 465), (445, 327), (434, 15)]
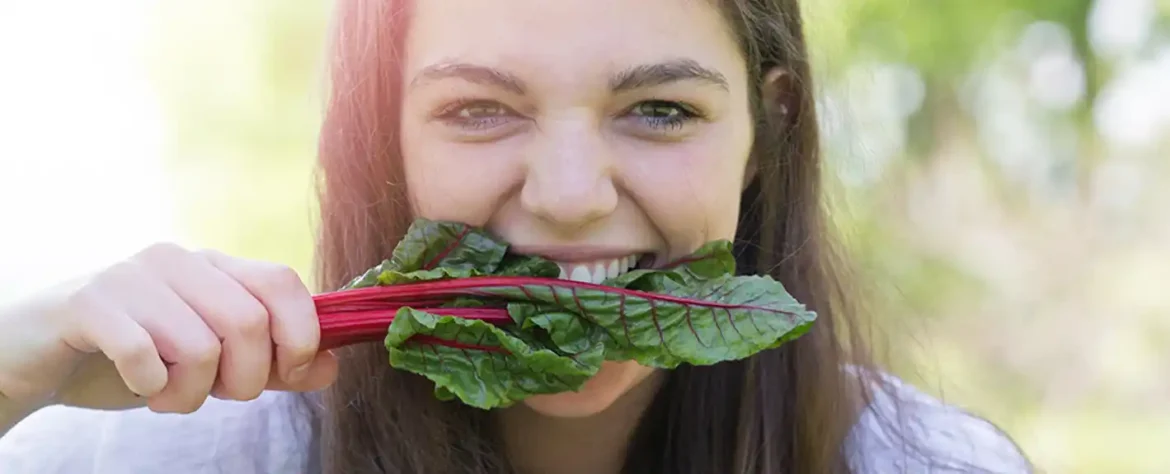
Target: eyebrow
[(471, 73), (645, 75), (677, 70)]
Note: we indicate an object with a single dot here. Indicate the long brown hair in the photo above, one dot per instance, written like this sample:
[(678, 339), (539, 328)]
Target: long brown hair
[(784, 410)]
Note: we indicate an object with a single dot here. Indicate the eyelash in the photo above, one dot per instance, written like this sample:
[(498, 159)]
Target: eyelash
[(452, 112), (679, 114)]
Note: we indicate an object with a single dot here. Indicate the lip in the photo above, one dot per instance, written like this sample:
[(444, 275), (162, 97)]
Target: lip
[(577, 253)]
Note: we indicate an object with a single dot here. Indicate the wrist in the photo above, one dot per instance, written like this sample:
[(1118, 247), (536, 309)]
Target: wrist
[(12, 411)]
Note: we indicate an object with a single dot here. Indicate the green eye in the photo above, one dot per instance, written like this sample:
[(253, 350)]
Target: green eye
[(663, 115), (658, 110)]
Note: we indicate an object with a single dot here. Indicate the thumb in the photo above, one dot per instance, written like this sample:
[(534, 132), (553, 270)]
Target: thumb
[(320, 374)]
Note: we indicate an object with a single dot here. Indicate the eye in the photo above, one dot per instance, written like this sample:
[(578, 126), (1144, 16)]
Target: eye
[(478, 110), (663, 114), (476, 114)]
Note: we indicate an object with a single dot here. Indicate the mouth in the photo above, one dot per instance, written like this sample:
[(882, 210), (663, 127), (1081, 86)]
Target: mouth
[(591, 264), (597, 271)]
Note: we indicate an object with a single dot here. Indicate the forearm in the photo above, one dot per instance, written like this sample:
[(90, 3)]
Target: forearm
[(16, 403)]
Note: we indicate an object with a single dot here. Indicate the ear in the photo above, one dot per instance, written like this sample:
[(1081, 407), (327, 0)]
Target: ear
[(776, 95), (777, 105)]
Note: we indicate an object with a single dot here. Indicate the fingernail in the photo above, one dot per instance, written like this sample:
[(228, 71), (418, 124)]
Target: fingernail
[(299, 372)]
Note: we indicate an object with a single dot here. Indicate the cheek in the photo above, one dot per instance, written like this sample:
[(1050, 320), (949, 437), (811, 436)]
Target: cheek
[(457, 182), (614, 380), (690, 191)]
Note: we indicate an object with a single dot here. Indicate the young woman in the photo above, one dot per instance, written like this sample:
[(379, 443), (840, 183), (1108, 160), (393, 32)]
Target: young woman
[(581, 130)]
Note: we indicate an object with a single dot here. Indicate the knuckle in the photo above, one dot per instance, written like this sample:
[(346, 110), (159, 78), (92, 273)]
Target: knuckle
[(286, 274), (279, 279), (212, 255), (161, 252), (251, 320), (207, 252), (121, 273), (84, 301), (114, 280), (201, 353)]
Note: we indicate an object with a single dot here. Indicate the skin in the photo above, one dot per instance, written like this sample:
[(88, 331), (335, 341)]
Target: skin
[(556, 160), (166, 329), (560, 162)]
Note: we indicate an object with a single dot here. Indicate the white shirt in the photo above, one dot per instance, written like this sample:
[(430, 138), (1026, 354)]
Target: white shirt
[(273, 435)]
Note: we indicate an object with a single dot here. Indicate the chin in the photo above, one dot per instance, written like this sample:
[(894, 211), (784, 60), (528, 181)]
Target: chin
[(612, 382)]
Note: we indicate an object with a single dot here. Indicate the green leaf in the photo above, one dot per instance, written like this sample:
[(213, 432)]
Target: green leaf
[(454, 246), (698, 322), (565, 330), (525, 265), (712, 260), (695, 312), (436, 250), (487, 367), (385, 275)]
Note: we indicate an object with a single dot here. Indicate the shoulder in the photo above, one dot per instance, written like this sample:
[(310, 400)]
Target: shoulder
[(906, 430), (271, 434)]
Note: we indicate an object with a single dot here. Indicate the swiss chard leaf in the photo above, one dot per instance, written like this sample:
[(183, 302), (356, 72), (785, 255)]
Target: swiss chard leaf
[(436, 244), (526, 265), (698, 322), (435, 250), (483, 365), (385, 275), (696, 311)]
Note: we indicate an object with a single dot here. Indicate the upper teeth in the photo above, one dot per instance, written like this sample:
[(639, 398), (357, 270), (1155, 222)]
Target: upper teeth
[(596, 271)]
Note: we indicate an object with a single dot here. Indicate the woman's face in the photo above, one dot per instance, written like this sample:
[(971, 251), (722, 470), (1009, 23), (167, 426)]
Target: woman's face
[(592, 132)]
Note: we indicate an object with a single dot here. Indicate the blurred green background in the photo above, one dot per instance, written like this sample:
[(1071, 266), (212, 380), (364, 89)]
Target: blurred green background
[(1000, 171)]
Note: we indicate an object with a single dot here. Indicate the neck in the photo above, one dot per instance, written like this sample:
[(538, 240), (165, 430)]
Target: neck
[(539, 444)]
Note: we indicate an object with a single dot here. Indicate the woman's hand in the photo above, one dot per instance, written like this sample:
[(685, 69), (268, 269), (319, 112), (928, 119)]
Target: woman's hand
[(166, 329)]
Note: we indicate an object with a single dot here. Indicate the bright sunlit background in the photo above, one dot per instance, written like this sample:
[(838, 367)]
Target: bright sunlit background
[(1002, 171)]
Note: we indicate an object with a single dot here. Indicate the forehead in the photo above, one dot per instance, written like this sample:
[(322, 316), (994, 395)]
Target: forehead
[(570, 37)]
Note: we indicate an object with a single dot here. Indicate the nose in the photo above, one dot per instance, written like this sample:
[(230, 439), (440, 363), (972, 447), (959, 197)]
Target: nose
[(569, 180)]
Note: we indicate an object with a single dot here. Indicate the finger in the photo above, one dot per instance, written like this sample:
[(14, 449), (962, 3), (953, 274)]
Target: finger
[(183, 340), (233, 314), (127, 345), (321, 373), (294, 327)]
